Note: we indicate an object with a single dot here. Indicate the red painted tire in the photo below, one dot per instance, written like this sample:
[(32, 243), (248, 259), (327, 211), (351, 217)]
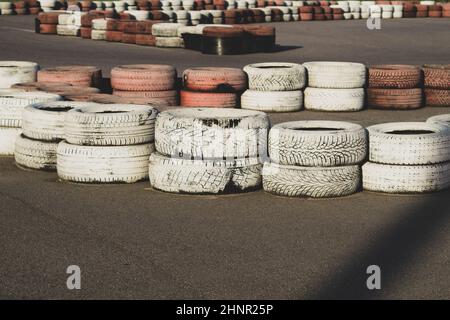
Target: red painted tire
[(437, 98), (306, 9), (49, 17), (223, 32), (34, 10), (145, 40), (437, 76), (129, 38), (395, 99), (435, 14), (145, 27), (47, 28), (143, 77), (85, 32), (210, 79), (338, 16), (394, 76), (207, 99), (171, 96), (113, 36), (86, 76), (38, 86), (421, 14), (306, 16)]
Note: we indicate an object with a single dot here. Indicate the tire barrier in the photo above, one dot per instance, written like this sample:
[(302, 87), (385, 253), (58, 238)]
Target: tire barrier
[(274, 87), (408, 157), (15, 72), (212, 87), (208, 150), (437, 85), (316, 159), (335, 86)]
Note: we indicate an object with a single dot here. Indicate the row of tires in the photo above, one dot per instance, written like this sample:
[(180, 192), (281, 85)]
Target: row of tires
[(219, 150)]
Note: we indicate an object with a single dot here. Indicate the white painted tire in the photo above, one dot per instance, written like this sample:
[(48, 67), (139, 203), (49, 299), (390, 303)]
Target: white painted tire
[(45, 121), (13, 72), (204, 176), (388, 145), (5, 5), (314, 182), (8, 138), (165, 29), (169, 42), (275, 76), (272, 101), (336, 75), (406, 179), (440, 119), (103, 164), (317, 143), (139, 15), (35, 154), (397, 14), (98, 34), (67, 30), (47, 3), (207, 133), (99, 24), (12, 105), (110, 125), (321, 99)]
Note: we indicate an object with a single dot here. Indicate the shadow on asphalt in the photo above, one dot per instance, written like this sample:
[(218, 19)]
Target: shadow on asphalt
[(393, 251)]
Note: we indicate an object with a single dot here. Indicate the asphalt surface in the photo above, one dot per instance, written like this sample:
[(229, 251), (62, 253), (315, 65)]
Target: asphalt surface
[(134, 242)]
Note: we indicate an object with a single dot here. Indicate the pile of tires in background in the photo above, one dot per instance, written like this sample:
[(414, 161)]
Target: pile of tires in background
[(219, 150)]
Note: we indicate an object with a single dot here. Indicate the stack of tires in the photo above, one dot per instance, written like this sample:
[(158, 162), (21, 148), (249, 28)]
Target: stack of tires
[(129, 31), (42, 130), (408, 157), (86, 22), (208, 151), (69, 24), (335, 86), (12, 103), (6, 8), (106, 143), (84, 76), (14, 72), (318, 159), (47, 5), (223, 40), (435, 11), (166, 35), (398, 11), (114, 30), (144, 36), (395, 87), (387, 11), (153, 82), (421, 10), (99, 27), (274, 87), (48, 22), (437, 85), (212, 87)]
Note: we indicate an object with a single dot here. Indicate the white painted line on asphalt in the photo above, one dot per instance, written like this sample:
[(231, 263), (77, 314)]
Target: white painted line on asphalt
[(12, 28)]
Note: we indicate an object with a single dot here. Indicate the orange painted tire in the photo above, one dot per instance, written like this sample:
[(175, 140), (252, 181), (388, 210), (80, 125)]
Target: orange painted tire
[(129, 38), (86, 76), (435, 14), (113, 36), (437, 76), (112, 25), (306, 16), (143, 77), (145, 27), (207, 99), (394, 99), (422, 14), (145, 40), (446, 13), (437, 97), (47, 28), (171, 96), (85, 32), (394, 76), (210, 79), (49, 17), (306, 9)]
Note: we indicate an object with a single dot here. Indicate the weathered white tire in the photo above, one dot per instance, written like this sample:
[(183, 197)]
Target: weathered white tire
[(317, 143), (12, 72), (139, 15), (12, 105), (5, 5), (272, 101), (35, 154), (103, 164), (8, 138), (99, 24), (110, 124), (67, 30), (406, 179), (204, 176), (45, 121), (315, 182), (388, 145), (165, 29), (275, 76), (440, 119), (336, 75), (169, 42), (66, 19), (98, 34), (211, 133), (321, 99)]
